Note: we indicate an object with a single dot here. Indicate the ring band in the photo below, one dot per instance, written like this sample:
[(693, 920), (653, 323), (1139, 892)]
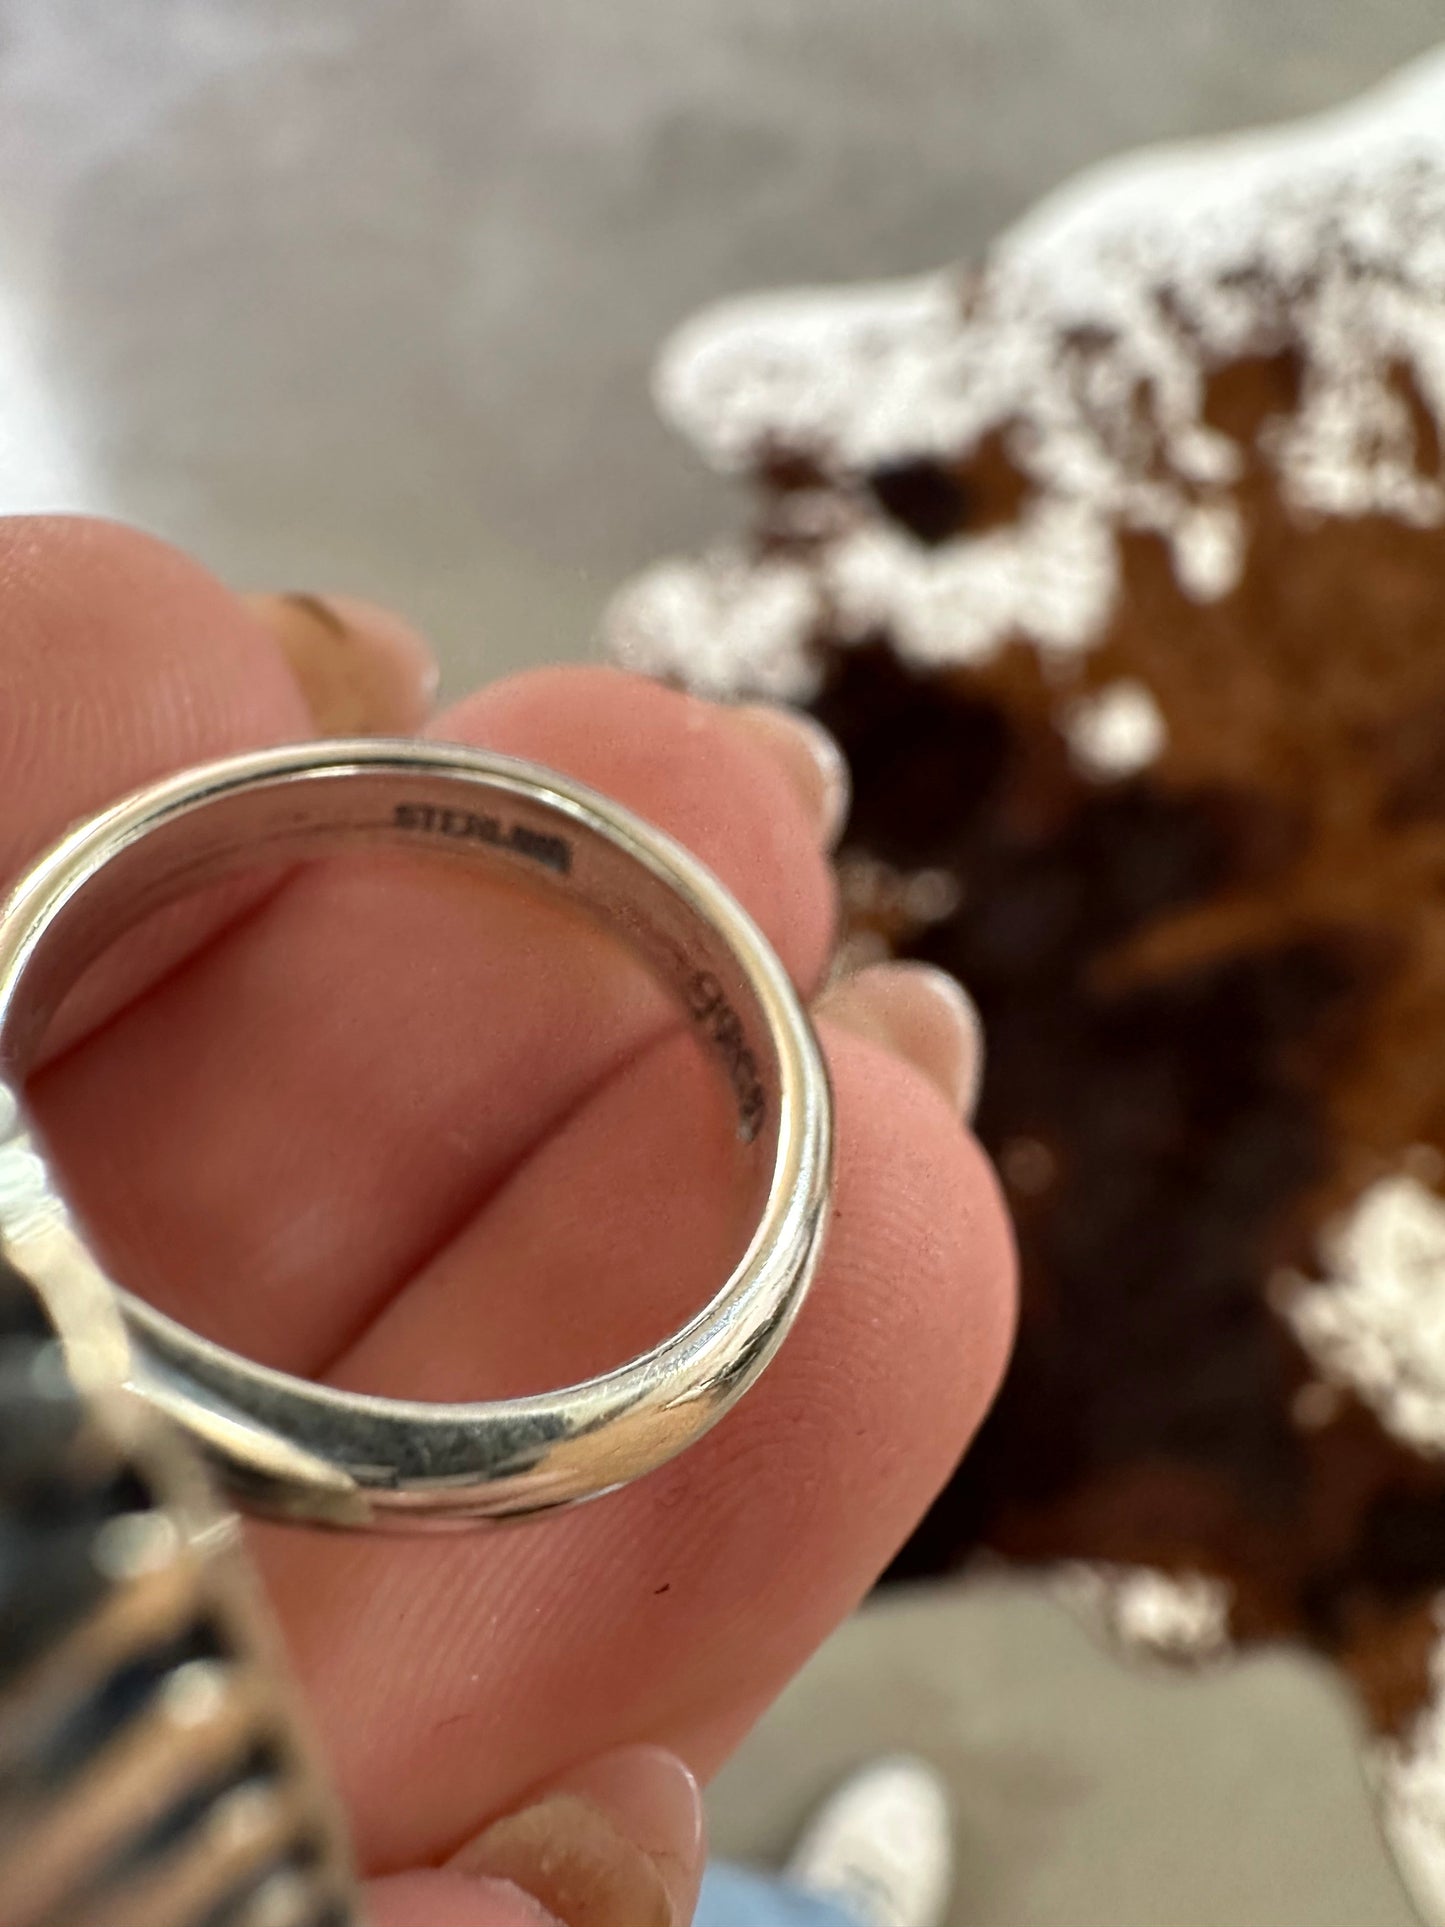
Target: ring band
[(342, 1458)]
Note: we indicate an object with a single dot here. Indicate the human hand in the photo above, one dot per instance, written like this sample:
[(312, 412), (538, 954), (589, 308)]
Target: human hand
[(421, 1134)]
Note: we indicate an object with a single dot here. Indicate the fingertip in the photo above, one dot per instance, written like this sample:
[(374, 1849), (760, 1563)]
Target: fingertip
[(442, 1897), (362, 670), (922, 1014), (620, 1837), (810, 757), (132, 660)]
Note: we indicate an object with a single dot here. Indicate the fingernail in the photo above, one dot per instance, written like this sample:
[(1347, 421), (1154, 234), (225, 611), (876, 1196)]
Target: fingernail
[(362, 670), (815, 764), (619, 1839), (923, 1015)]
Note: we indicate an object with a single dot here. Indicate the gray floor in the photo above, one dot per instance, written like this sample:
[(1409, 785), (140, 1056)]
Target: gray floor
[(360, 295), (1086, 1796)]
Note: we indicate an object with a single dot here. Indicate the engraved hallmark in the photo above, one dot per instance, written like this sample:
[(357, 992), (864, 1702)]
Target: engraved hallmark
[(707, 1001), (471, 826)]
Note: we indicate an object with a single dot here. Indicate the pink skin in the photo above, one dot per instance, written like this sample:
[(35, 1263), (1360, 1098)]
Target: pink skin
[(407, 1131)]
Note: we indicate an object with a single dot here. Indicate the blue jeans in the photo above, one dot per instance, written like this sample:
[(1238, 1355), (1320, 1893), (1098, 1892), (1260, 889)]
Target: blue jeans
[(736, 1897)]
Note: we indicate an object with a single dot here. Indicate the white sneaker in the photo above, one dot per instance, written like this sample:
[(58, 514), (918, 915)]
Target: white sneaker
[(882, 1845)]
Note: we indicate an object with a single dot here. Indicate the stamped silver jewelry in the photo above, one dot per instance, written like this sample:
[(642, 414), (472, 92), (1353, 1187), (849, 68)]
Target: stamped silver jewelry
[(349, 1459)]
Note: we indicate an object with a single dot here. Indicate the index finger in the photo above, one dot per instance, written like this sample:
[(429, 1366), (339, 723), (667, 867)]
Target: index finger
[(123, 660)]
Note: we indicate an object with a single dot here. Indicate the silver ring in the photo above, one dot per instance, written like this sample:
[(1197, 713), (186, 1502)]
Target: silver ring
[(306, 1451)]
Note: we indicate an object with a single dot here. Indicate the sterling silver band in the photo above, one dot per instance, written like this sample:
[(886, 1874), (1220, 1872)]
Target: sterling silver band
[(340, 1458)]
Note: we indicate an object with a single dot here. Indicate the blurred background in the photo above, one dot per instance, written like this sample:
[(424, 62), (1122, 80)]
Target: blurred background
[(350, 295), (353, 294)]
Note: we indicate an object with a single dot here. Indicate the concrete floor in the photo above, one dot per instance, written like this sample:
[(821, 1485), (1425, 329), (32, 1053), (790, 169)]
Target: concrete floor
[(364, 296), (1086, 1796)]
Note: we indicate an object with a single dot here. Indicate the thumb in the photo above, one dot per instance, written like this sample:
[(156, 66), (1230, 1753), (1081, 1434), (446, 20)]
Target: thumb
[(617, 1841), (437, 1897)]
